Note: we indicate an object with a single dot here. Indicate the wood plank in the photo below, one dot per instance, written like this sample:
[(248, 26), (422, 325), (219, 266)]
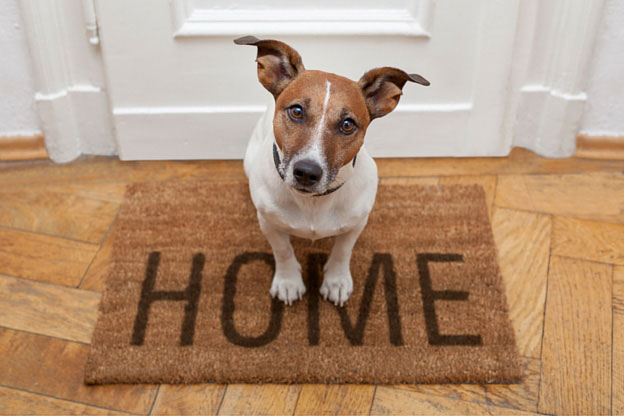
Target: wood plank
[(618, 288), (324, 399), (110, 192), (14, 402), (95, 277), (54, 367), (76, 212), (576, 354), (396, 401), (465, 392), (197, 399), (41, 257), (521, 396), (23, 148), (98, 169), (617, 389), (617, 373), (487, 182), (523, 242), (588, 240), (86, 169), (595, 196), (255, 399), (424, 181), (520, 161), (47, 309)]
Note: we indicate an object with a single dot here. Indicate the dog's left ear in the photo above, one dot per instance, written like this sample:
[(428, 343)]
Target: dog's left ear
[(278, 63), (382, 88)]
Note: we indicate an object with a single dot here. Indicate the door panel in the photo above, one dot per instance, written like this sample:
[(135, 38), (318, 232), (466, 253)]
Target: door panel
[(180, 89)]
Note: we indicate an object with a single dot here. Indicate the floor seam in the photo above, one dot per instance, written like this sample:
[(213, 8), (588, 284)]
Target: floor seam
[(43, 282), (297, 401), (370, 410), (222, 399), (539, 385), (50, 396), (102, 240), (612, 337), (61, 237), (154, 401), (586, 260), (45, 335)]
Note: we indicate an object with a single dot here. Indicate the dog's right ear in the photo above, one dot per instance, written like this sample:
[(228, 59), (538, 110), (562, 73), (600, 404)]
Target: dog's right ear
[(382, 88), (278, 63)]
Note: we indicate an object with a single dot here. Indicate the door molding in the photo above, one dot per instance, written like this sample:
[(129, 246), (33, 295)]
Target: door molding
[(71, 98), (199, 18), (553, 49), (152, 128), (543, 107)]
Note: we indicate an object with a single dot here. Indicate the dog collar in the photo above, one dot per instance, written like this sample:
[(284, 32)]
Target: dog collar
[(276, 161)]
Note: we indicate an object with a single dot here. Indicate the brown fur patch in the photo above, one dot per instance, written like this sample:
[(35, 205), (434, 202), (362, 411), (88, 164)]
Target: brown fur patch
[(346, 101), (382, 88), (278, 63)]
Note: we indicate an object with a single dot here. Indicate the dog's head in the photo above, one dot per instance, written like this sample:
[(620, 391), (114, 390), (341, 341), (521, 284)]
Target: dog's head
[(321, 118)]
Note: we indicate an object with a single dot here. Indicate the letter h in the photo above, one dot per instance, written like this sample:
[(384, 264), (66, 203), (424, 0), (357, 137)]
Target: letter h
[(149, 295)]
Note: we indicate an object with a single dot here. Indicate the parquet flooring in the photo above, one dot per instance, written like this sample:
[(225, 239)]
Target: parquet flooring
[(558, 226)]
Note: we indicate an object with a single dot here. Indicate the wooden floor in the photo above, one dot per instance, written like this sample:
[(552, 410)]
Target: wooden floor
[(558, 225)]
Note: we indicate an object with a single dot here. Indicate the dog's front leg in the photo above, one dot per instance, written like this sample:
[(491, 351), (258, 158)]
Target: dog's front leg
[(287, 283), (337, 282)]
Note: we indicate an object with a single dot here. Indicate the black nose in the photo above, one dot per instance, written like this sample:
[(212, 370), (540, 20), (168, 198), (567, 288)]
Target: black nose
[(307, 172)]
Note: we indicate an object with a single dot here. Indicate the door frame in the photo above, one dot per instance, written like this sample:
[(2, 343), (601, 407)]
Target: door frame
[(70, 83), (543, 107), (552, 52)]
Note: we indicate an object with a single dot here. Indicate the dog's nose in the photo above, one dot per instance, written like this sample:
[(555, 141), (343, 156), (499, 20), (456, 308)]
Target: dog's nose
[(307, 172)]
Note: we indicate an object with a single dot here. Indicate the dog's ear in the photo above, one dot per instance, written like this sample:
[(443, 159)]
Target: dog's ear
[(382, 88), (278, 63)]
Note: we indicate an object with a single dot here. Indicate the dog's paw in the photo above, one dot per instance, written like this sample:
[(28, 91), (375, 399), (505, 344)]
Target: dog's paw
[(337, 289), (287, 289)]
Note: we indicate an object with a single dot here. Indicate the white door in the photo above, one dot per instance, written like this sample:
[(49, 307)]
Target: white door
[(179, 88)]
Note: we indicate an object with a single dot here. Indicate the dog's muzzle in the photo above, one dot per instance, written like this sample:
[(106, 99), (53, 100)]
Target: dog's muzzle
[(306, 172)]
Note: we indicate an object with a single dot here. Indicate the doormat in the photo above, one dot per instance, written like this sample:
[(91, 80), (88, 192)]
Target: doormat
[(187, 294)]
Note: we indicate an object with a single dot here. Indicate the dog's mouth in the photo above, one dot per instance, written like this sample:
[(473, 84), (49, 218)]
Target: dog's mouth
[(307, 190), (302, 190), (318, 190)]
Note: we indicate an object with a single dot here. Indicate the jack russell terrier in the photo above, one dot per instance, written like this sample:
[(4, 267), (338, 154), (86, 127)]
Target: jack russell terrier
[(309, 174)]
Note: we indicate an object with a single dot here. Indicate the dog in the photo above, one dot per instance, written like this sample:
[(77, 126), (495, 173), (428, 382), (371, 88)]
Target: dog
[(309, 174)]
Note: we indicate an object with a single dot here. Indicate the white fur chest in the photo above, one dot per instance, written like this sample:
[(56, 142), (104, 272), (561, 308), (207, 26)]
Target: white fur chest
[(309, 218)]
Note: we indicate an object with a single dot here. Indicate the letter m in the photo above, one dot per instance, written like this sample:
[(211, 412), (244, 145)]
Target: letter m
[(382, 263)]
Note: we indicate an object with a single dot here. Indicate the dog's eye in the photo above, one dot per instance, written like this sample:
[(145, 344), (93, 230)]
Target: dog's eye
[(347, 126), (295, 112)]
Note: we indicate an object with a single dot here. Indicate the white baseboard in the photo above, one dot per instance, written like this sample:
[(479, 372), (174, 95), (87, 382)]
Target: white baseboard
[(76, 121), (223, 132), (548, 121)]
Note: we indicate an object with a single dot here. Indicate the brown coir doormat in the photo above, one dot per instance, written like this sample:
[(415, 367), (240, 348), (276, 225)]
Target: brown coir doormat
[(187, 295)]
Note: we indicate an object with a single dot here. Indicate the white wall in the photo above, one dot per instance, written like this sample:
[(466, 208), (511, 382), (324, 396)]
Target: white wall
[(604, 110), (18, 115)]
